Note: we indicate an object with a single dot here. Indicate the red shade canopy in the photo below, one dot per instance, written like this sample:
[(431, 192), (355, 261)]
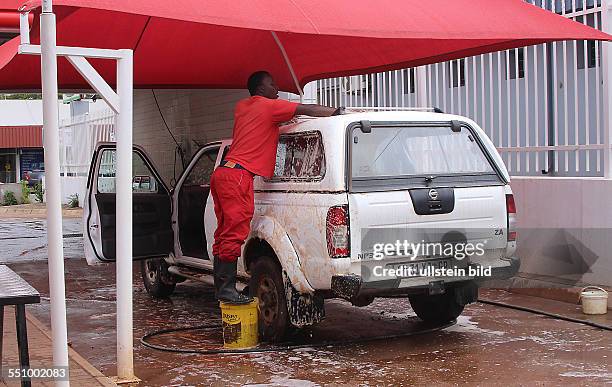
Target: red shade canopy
[(10, 5), (217, 44)]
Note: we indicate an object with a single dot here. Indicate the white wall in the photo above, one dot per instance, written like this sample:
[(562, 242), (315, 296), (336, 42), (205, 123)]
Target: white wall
[(29, 112), (565, 227), (73, 185), (26, 112), (200, 115)]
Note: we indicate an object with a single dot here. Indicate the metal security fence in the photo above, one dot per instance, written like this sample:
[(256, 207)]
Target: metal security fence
[(543, 106), (78, 138)]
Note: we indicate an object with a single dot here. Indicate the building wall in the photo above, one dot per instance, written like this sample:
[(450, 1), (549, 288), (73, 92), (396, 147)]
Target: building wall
[(73, 185), (26, 112), (194, 117), (565, 228)]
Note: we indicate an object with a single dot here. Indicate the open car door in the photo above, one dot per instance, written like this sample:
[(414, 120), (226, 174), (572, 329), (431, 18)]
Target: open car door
[(152, 208)]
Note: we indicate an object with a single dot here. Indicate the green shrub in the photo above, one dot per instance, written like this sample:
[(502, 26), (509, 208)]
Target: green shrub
[(25, 192), (9, 199), (73, 200), (39, 192)]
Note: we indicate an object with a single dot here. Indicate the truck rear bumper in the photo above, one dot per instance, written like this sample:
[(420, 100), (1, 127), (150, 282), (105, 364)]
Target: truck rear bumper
[(351, 286)]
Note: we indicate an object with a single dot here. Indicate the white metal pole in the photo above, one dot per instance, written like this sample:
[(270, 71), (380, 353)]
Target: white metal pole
[(24, 30), (421, 86), (57, 290), (125, 344), (125, 355), (607, 88), (288, 62)]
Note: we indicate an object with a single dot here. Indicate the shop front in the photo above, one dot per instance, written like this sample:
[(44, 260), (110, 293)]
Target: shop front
[(21, 154), (8, 162)]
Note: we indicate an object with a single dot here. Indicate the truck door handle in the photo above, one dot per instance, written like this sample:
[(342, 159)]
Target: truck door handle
[(93, 226)]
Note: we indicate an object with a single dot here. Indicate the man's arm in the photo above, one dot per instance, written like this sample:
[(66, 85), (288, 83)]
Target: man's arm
[(314, 110)]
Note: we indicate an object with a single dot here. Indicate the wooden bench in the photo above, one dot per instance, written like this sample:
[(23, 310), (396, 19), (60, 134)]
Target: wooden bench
[(14, 290)]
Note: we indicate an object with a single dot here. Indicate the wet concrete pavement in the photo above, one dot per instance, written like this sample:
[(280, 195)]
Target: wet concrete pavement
[(26, 239), (488, 346)]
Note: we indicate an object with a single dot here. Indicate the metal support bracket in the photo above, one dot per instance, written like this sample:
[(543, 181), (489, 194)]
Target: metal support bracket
[(95, 80), (101, 53)]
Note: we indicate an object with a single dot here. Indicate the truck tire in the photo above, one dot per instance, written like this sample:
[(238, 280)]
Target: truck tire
[(158, 282), (437, 309), (267, 285)]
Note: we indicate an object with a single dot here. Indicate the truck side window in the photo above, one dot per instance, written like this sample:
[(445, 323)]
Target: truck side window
[(143, 180), (299, 156)]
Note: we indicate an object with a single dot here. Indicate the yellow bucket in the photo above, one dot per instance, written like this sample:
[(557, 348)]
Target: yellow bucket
[(239, 324)]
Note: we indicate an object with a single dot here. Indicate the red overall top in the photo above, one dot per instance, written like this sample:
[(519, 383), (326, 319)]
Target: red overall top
[(255, 139)]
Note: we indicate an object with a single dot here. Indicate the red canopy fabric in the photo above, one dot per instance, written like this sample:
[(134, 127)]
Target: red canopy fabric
[(10, 5), (217, 44)]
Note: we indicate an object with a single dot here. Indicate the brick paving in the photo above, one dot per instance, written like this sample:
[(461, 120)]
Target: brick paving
[(82, 373)]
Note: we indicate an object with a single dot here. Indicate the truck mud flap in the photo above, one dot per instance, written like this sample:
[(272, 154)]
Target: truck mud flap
[(304, 309)]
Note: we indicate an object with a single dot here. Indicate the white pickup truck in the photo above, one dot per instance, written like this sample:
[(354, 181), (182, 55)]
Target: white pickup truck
[(347, 191)]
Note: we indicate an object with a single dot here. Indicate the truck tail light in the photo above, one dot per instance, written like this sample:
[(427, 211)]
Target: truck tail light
[(337, 232), (511, 213)]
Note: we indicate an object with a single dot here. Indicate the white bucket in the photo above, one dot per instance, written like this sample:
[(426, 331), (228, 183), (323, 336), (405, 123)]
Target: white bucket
[(594, 300)]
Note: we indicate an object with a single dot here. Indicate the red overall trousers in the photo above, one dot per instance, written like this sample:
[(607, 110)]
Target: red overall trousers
[(232, 192)]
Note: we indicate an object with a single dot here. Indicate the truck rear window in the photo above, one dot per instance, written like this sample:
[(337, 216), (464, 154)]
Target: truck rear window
[(416, 151)]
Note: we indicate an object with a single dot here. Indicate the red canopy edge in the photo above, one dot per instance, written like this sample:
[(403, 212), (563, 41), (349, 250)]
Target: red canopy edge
[(213, 44), (384, 19)]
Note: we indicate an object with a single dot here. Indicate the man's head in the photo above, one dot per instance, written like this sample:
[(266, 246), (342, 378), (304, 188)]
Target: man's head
[(261, 83)]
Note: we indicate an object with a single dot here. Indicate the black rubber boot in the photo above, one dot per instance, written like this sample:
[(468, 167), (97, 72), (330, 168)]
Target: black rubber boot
[(225, 283)]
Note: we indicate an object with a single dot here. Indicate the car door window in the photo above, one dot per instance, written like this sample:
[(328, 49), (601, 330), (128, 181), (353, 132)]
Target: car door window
[(204, 167), (143, 179)]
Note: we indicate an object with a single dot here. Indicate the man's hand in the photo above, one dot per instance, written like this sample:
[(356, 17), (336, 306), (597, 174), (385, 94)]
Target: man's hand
[(314, 110)]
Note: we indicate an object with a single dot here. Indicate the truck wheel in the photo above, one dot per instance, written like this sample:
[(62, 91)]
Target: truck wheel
[(267, 285), (158, 282), (438, 309)]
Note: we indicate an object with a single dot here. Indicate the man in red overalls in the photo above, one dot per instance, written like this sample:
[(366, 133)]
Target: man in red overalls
[(253, 152)]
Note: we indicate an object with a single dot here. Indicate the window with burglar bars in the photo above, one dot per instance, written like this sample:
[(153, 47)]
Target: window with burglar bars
[(542, 106)]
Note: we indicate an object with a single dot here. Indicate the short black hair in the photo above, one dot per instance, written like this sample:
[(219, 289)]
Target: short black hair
[(255, 80)]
